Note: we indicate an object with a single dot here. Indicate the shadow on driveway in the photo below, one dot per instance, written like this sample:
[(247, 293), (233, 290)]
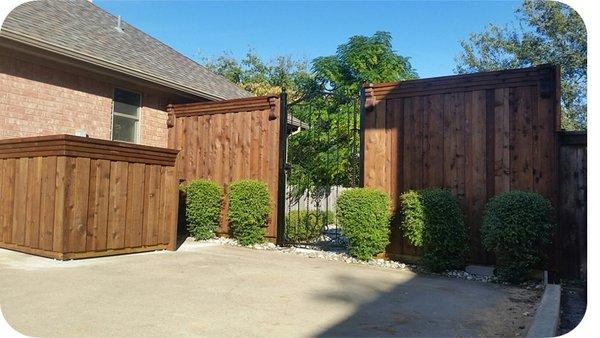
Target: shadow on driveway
[(432, 306)]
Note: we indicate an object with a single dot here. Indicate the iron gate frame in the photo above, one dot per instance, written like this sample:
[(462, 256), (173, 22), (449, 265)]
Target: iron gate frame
[(355, 124)]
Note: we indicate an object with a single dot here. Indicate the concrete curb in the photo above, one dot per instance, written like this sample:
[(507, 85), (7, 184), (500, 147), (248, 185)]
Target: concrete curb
[(547, 315)]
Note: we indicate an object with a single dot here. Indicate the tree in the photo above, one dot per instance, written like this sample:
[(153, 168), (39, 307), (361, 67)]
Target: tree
[(547, 32), (265, 77), (363, 59), (326, 154), (326, 98)]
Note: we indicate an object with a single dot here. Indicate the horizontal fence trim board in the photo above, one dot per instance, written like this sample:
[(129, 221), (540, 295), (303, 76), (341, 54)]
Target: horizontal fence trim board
[(81, 255), (573, 138), (85, 140), (64, 149), (234, 108), (240, 104), (395, 94), (66, 145), (541, 71)]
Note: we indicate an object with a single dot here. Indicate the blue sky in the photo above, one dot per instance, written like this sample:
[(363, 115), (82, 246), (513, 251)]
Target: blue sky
[(427, 32)]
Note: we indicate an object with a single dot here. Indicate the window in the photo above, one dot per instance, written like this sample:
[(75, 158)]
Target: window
[(125, 115)]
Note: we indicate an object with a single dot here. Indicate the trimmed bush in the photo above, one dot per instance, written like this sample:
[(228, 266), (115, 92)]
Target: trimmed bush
[(249, 209), (306, 226), (517, 227), (364, 217), (431, 219), (203, 200)]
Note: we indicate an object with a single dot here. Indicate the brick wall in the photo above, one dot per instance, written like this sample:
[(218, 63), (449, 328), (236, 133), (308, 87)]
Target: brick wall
[(43, 98)]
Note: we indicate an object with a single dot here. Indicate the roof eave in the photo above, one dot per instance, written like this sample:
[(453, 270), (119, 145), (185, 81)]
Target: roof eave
[(21, 38)]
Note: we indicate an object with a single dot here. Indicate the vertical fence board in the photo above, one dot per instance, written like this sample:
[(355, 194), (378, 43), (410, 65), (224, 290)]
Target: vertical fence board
[(20, 202), (521, 139), (48, 191), (475, 172), (433, 141), (117, 205), (34, 192), (77, 204), (62, 182), (502, 140), (98, 202), (135, 206), (7, 199)]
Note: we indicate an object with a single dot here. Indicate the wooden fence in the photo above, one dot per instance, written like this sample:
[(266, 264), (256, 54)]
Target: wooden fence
[(572, 207), (229, 140), (478, 135), (70, 197)]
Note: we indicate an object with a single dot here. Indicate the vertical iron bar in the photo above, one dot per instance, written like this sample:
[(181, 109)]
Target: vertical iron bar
[(282, 174), (327, 162), (355, 151)]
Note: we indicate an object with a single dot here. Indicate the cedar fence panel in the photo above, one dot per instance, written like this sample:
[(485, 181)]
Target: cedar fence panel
[(477, 135), (70, 197), (572, 208), (227, 141)]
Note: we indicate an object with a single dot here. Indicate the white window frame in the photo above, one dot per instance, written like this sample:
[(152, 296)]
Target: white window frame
[(136, 132)]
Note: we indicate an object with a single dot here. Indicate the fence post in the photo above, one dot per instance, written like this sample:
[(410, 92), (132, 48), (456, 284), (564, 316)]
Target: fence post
[(282, 173)]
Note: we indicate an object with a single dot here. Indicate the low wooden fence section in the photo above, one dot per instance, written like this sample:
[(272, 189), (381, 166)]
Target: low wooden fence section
[(572, 207), (229, 140), (477, 134), (70, 197)]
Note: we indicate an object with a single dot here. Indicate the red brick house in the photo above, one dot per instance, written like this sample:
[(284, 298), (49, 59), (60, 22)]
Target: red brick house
[(70, 67)]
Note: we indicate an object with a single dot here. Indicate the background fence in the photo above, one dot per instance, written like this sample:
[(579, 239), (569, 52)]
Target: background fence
[(572, 207), (477, 134), (71, 197), (229, 140)]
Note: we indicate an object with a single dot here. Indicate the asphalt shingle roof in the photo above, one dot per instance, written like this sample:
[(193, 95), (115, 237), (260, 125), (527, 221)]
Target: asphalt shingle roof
[(82, 27)]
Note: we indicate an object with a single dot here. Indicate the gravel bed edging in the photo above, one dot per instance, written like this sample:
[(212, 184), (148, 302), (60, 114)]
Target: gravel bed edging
[(341, 255)]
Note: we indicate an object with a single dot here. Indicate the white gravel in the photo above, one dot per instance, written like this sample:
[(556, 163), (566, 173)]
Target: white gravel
[(340, 254)]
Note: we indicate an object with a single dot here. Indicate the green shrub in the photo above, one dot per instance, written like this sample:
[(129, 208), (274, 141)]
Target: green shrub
[(203, 200), (364, 217), (431, 219), (517, 227), (306, 226), (249, 209)]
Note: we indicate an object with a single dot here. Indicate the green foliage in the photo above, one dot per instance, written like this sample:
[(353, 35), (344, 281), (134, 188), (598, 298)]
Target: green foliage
[(364, 217), (326, 154), (306, 225), (363, 59), (265, 77), (432, 220), (547, 32), (202, 208), (517, 227), (249, 209), (413, 217)]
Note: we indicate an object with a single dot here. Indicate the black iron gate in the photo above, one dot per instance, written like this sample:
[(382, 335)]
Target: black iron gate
[(322, 160)]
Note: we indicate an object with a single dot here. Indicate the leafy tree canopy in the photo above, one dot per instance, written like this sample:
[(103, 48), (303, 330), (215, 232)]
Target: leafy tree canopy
[(325, 96), (363, 59), (547, 32), (265, 77)]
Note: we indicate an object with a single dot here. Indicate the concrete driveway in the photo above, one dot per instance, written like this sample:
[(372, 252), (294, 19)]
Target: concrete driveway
[(230, 291)]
